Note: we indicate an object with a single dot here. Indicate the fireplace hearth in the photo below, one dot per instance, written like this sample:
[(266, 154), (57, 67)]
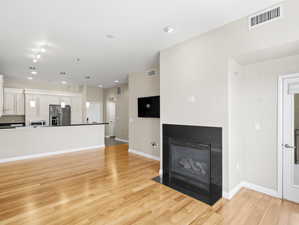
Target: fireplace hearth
[(192, 161)]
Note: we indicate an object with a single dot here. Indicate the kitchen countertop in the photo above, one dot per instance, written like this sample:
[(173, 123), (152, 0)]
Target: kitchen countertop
[(79, 124), (71, 125), (6, 127)]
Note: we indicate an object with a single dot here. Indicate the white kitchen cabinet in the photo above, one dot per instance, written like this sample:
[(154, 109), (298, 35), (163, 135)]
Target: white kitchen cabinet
[(76, 109), (13, 101), (20, 102)]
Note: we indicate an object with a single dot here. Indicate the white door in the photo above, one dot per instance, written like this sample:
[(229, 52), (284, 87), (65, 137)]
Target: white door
[(111, 117), (290, 138)]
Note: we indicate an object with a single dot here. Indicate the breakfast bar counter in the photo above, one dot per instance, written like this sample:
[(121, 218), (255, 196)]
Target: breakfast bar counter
[(30, 142)]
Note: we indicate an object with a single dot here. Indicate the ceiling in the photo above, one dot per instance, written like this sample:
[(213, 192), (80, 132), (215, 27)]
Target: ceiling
[(71, 29)]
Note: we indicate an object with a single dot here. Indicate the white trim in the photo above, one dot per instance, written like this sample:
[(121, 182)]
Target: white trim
[(123, 140), (280, 177), (48, 92), (49, 154), (280, 135), (161, 145), (245, 184), (232, 193), (144, 154), (160, 172), (285, 103), (261, 189)]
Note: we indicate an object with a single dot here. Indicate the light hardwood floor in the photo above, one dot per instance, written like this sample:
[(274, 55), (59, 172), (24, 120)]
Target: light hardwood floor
[(111, 186)]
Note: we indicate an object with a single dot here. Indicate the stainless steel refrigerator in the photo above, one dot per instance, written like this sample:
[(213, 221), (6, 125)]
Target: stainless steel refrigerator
[(59, 116)]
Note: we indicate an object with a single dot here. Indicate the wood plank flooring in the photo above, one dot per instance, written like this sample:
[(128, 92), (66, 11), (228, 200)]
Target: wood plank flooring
[(113, 187)]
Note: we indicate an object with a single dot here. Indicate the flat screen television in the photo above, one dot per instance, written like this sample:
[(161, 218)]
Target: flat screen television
[(149, 107)]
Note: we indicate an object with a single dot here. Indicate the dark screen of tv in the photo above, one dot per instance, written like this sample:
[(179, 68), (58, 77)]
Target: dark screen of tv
[(149, 107)]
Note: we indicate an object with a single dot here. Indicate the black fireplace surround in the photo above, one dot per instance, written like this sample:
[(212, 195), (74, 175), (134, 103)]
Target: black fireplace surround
[(192, 161)]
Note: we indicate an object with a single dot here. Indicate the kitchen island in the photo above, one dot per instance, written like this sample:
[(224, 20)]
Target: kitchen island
[(28, 142)]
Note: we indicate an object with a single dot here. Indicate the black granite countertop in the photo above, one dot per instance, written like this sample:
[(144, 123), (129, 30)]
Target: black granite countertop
[(7, 127), (79, 124), (71, 125)]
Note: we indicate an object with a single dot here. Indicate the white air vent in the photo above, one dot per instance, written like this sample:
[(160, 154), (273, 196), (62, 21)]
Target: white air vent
[(266, 16)]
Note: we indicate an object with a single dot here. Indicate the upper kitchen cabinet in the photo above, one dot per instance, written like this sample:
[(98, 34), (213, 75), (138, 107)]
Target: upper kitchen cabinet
[(13, 101), (1, 95), (76, 109)]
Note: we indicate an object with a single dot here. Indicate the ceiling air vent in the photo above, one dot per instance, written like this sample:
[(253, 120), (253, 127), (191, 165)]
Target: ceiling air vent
[(266, 16)]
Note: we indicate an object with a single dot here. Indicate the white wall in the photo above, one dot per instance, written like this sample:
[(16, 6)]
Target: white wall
[(121, 129), (96, 95), (254, 109), (143, 131), (198, 69), (236, 128), (296, 102), (11, 82)]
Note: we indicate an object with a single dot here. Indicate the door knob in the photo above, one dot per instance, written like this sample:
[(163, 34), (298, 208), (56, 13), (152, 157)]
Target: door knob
[(289, 146)]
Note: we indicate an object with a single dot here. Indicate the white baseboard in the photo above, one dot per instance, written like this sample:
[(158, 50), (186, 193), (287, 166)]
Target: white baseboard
[(232, 193), (144, 154), (254, 187), (49, 154), (261, 189), (160, 172), (123, 140)]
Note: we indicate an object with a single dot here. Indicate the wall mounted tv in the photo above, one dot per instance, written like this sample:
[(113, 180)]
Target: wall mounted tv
[(149, 107)]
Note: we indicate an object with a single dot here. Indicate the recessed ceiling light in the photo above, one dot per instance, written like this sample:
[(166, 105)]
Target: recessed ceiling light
[(100, 86), (168, 29), (33, 72), (110, 36), (38, 56), (35, 60), (116, 81), (42, 50), (63, 82), (29, 78)]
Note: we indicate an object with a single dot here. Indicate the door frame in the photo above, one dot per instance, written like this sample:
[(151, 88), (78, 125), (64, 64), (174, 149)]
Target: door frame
[(282, 80)]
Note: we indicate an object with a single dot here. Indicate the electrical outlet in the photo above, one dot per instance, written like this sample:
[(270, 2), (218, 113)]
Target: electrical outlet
[(154, 145)]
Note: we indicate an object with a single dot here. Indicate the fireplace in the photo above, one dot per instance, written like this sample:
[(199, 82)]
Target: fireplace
[(192, 161)]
